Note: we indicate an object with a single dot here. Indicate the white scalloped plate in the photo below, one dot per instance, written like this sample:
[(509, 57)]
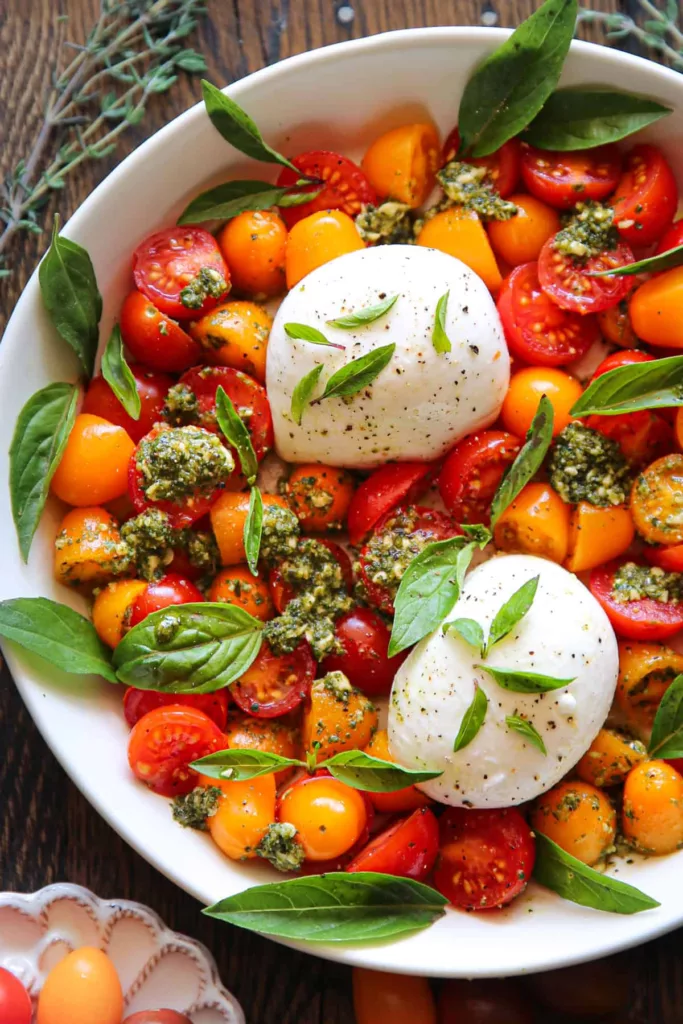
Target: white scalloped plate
[(336, 98), (158, 968)]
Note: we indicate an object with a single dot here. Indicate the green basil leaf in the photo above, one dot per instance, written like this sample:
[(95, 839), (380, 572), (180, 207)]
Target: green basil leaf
[(70, 295), (666, 739), (367, 315), (440, 339), (653, 385), (340, 906), (527, 730), (528, 461), (473, 719), (235, 429), (38, 443), (358, 374), (238, 129), (234, 197), (189, 648), (652, 265), (469, 630), (241, 765), (477, 532), (302, 332), (371, 774), (118, 376), (58, 634), (521, 681), (253, 529), (583, 118), (575, 881), (513, 611), (508, 90), (303, 392)]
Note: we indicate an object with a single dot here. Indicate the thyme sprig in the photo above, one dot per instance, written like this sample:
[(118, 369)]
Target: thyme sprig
[(660, 30), (134, 51)]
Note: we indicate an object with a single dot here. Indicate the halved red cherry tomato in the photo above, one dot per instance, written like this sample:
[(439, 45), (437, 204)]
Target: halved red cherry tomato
[(504, 166), (345, 186), (671, 239), (100, 400), (634, 620), (646, 198), (670, 559), (248, 397), (472, 472), (170, 260), (137, 703), (536, 329), (165, 741), (407, 849), (275, 684), (163, 593), (281, 591), (15, 1003), (563, 179), (485, 858), (364, 638), (153, 338), (388, 487), (568, 282)]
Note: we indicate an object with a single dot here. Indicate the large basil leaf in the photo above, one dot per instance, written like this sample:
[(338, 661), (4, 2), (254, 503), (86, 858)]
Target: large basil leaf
[(507, 91), (363, 906), (583, 118), (521, 681), (573, 880), (234, 428), (240, 765), (666, 739), (234, 197), (118, 375), (529, 459), (358, 374), (303, 392), (189, 648), (372, 774), (654, 385), (71, 297), (40, 436), (56, 633), (238, 129), (651, 265), (512, 612), (472, 720)]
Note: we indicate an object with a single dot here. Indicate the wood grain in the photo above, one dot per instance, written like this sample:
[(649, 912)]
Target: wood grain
[(48, 832)]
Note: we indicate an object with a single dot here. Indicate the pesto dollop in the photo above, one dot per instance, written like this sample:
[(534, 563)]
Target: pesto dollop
[(149, 537), (181, 462), (181, 406), (390, 550), (588, 231), (208, 283), (280, 534), (634, 582), (192, 809), (282, 847), (587, 466), (471, 187), (387, 224)]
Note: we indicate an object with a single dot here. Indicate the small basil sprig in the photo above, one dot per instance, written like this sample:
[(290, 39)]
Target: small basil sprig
[(234, 428), (440, 339), (189, 648), (429, 589), (575, 881), (470, 630), (253, 530), (302, 332), (364, 316), (340, 906), (527, 730), (56, 633), (234, 197), (472, 720), (521, 681), (238, 129), (652, 265), (508, 90), (70, 295), (666, 739), (353, 377), (512, 612), (118, 375), (584, 118), (303, 393), (654, 385), (528, 461), (39, 440)]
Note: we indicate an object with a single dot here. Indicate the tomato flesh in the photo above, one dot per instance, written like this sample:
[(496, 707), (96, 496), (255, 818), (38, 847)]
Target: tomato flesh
[(364, 637), (165, 741), (646, 198), (248, 397), (407, 849), (472, 472), (275, 684), (504, 165), (154, 339), (344, 185), (671, 239), (168, 261), (569, 283), (388, 487), (100, 400), (563, 179), (136, 704), (646, 619)]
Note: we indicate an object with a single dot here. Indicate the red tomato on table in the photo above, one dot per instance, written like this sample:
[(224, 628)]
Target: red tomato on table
[(503, 166), (154, 339), (472, 472), (646, 619), (389, 486), (344, 185), (561, 179), (248, 397), (100, 400), (407, 849), (570, 284), (364, 637), (163, 593), (168, 261), (646, 198), (275, 683), (137, 703), (165, 741)]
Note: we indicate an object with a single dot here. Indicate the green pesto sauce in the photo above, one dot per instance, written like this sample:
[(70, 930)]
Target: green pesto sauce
[(181, 406), (387, 224), (192, 809), (201, 549), (180, 462), (390, 551), (280, 534), (587, 466), (634, 582), (150, 540), (471, 188), (282, 847), (208, 283), (588, 231)]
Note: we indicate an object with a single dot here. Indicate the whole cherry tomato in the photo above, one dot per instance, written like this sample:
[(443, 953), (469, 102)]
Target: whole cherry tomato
[(646, 197), (503, 166), (364, 638), (169, 263), (329, 816), (153, 338), (389, 486), (570, 284), (559, 179), (137, 703), (341, 185), (15, 1003), (163, 593), (275, 683), (472, 472), (407, 849), (164, 743), (646, 619), (100, 400)]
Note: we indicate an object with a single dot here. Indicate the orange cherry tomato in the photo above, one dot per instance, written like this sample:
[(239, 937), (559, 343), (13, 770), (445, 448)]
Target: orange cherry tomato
[(320, 496), (653, 807), (402, 163), (655, 309), (579, 818), (88, 547), (657, 501), (460, 233), (94, 466), (165, 741), (245, 810), (228, 516), (610, 758), (235, 334), (316, 240), (615, 325), (240, 587), (646, 670), (253, 245), (525, 391), (338, 717), (521, 238), (398, 998), (408, 799), (490, 1001), (274, 735), (81, 989), (536, 523), (597, 535), (112, 609), (329, 816)]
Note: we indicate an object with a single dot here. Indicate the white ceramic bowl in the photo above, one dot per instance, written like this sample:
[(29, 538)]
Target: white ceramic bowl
[(337, 98)]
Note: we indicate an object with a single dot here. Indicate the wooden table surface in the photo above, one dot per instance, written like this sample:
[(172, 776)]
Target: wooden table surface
[(48, 832)]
